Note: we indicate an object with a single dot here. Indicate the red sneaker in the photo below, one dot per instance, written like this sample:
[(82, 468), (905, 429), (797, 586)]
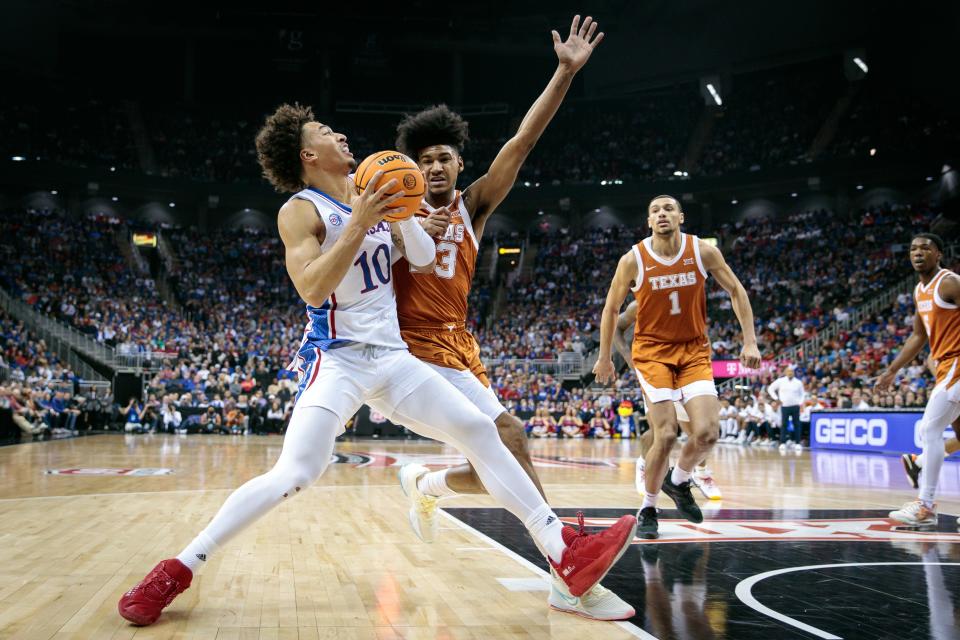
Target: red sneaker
[(142, 604), (588, 557)]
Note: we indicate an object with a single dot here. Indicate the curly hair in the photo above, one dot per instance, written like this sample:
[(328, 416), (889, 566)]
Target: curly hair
[(278, 146), (436, 125)]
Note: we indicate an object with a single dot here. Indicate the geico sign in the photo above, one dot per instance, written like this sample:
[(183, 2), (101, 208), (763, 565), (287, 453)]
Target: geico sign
[(858, 431)]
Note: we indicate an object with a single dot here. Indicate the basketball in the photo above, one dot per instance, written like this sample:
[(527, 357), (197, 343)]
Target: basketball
[(396, 166)]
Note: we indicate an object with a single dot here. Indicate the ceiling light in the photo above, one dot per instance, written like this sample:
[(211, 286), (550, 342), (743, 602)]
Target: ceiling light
[(714, 94)]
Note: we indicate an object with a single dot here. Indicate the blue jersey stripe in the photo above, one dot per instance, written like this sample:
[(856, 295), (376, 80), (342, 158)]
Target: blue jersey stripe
[(340, 205)]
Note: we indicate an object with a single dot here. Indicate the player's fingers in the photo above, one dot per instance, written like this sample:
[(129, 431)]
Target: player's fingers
[(583, 27), (374, 181), (385, 203), (591, 31), (574, 25), (597, 40), (556, 37), (387, 186)]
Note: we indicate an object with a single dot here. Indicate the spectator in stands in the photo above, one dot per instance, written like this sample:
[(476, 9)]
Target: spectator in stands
[(170, 416), (276, 416), (134, 413)]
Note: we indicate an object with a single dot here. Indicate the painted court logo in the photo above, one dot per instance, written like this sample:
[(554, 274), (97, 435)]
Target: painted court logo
[(102, 471)]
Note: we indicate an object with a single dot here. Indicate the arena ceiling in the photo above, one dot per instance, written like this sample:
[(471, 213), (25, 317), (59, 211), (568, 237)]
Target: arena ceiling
[(651, 43)]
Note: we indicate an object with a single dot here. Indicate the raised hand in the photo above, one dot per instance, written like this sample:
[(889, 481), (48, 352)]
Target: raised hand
[(581, 42)]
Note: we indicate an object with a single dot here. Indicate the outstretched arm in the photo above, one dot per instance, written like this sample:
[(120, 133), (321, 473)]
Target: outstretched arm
[(714, 263), (619, 288), (483, 196)]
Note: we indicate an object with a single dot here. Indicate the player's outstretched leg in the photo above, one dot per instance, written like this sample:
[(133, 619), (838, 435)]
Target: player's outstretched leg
[(306, 453), (581, 559)]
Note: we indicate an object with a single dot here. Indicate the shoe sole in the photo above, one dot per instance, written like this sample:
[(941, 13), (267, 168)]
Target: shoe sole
[(134, 619), (411, 514), (587, 616), (916, 523), (680, 511), (649, 535)]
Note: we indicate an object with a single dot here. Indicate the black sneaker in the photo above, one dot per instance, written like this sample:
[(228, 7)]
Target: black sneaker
[(681, 496), (647, 526), (911, 468)]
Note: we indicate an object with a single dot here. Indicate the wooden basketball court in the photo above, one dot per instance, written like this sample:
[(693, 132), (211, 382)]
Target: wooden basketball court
[(84, 519)]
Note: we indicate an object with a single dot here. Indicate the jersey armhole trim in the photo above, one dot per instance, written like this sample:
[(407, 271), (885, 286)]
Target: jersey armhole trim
[(696, 254), (327, 240), (636, 254), (467, 220), (937, 300)]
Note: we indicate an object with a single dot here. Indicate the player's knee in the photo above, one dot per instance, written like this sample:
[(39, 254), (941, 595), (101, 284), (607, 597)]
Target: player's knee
[(707, 435), (295, 481), (666, 435), (513, 436)]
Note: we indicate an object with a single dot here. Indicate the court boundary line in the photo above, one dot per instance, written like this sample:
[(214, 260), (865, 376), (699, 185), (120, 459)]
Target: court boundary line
[(744, 590), (629, 627)]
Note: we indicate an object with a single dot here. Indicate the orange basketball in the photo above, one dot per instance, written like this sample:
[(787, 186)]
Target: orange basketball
[(395, 166)]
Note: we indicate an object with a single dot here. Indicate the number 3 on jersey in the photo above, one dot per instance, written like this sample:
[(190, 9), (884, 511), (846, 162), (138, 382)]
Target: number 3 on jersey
[(446, 260), (674, 303)]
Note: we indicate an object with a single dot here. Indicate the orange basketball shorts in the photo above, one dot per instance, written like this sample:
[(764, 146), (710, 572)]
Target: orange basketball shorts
[(444, 347), (674, 371)]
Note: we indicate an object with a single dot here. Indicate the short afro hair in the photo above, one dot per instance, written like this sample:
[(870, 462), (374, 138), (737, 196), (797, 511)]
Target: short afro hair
[(278, 146), (932, 237), (436, 125)]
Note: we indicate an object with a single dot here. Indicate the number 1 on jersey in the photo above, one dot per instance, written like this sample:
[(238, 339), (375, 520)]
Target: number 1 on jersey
[(674, 303)]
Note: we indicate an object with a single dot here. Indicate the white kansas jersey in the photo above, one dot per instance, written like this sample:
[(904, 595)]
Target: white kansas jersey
[(362, 308)]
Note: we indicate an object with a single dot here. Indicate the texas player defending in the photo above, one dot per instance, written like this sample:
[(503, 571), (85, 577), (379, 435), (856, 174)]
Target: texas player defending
[(335, 241), (937, 321), (432, 306), (671, 352)]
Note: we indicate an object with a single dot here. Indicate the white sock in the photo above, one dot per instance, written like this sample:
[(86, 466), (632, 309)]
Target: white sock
[(545, 527), (679, 476), (435, 484), (927, 503), (920, 460), (649, 500), (197, 552)]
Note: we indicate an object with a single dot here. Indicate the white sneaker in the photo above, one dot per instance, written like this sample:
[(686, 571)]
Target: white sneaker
[(708, 486), (423, 508), (916, 514), (783, 447), (641, 477), (599, 603)]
